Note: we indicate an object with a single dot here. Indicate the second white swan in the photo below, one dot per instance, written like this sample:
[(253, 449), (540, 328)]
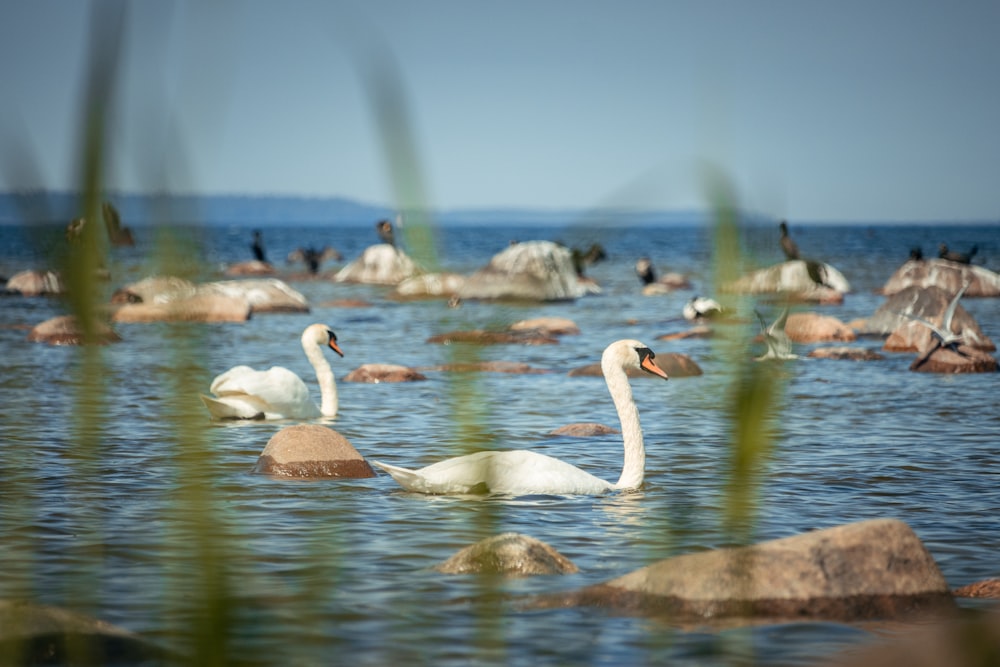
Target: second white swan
[(278, 393), (522, 472)]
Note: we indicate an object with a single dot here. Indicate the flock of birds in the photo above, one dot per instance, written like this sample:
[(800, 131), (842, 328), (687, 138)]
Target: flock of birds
[(278, 393)]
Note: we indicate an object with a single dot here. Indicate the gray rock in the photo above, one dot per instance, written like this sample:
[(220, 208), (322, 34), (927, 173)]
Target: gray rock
[(311, 450), (510, 554), (529, 271), (793, 278), (871, 569), (380, 264), (945, 275)]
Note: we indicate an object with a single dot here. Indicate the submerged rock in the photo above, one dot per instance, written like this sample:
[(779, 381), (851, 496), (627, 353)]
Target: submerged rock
[(479, 337), (554, 326), (866, 570), (510, 554), (584, 430), (848, 353), (378, 373), (431, 285), (311, 450)]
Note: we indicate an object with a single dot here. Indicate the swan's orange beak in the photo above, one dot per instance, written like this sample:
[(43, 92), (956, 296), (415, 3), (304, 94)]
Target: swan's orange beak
[(650, 366), (335, 347)]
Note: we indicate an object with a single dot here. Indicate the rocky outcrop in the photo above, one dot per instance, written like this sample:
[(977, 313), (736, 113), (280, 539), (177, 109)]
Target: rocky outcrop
[(379, 373), (815, 328), (943, 274), (527, 271), (311, 450), (509, 554), (866, 570), (895, 317), (66, 330), (381, 264), (798, 279), (35, 283), (196, 308), (674, 363), (265, 295)]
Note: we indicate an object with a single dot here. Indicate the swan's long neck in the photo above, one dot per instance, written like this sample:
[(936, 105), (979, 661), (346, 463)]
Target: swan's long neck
[(324, 376), (628, 415)]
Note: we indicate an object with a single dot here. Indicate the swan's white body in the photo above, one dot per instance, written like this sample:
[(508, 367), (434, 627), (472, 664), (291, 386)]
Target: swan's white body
[(278, 393), (521, 472)]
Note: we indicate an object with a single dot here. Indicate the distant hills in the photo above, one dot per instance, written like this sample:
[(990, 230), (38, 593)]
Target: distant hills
[(269, 210)]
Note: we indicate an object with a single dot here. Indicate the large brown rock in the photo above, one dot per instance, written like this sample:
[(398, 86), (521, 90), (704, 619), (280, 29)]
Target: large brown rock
[(945, 275), (511, 554), (871, 569), (311, 450), (66, 330), (815, 328)]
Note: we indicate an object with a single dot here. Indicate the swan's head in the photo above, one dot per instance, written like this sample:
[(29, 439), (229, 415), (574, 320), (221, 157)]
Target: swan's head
[(628, 354), (322, 336)]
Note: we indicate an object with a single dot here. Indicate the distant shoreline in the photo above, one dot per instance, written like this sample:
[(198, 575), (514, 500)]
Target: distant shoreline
[(59, 207)]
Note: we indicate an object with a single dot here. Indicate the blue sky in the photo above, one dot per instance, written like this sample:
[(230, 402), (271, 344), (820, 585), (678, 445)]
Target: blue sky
[(816, 111)]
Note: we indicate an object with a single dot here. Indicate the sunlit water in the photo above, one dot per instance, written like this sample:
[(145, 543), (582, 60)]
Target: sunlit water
[(103, 513)]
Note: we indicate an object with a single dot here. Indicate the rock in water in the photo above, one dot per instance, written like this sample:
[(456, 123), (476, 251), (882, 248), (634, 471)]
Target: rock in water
[(311, 450), (509, 553), (866, 570)]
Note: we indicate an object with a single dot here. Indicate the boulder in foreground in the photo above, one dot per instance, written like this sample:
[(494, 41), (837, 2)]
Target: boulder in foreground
[(866, 570)]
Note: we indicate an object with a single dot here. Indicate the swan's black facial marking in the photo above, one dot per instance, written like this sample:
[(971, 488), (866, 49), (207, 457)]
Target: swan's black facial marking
[(647, 364), (333, 342)]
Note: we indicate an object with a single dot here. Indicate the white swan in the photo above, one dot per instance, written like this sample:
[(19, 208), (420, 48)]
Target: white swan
[(278, 393), (521, 472)]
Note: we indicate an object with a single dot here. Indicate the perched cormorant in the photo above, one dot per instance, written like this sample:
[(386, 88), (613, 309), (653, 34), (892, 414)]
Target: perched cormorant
[(787, 244), (952, 256)]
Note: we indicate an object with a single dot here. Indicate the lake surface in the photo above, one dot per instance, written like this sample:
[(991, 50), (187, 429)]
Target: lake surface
[(121, 498)]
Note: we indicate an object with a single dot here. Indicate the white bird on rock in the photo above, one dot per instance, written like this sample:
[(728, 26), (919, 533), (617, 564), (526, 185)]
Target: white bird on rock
[(278, 393), (522, 472)]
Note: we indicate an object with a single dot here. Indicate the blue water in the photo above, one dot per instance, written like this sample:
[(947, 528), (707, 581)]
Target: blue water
[(114, 474)]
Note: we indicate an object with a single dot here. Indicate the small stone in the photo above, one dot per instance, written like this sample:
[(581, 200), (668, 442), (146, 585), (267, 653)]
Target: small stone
[(65, 330)]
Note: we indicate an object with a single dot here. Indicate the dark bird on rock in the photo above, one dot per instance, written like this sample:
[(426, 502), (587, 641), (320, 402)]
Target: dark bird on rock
[(953, 256), (787, 244)]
